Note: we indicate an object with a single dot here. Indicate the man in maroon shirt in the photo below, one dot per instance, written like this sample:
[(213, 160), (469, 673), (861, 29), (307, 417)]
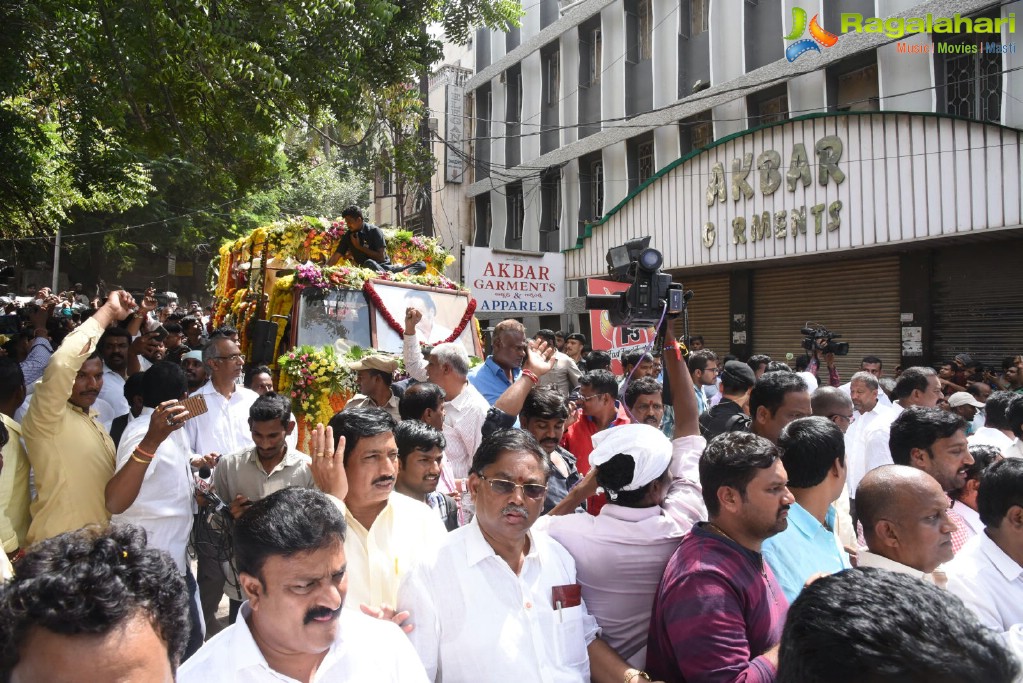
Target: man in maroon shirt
[(719, 611)]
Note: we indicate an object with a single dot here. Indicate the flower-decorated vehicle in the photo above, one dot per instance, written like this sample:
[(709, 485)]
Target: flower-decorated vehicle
[(309, 320)]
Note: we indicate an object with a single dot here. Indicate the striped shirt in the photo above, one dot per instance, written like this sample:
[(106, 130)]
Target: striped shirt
[(718, 609)]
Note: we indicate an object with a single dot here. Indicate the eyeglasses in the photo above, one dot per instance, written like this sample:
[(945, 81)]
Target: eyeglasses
[(503, 487), (234, 357), (847, 418), (584, 399)]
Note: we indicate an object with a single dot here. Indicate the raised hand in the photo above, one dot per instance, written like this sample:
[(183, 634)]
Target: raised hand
[(328, 462), (539, 358)]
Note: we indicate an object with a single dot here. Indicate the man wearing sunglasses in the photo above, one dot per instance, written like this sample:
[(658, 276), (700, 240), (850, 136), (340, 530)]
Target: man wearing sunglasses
[(498, 601)]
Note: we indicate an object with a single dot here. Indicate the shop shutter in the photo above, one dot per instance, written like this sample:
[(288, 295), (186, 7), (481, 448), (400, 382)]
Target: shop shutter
[(856, 299), (708, 310), (977, 302)]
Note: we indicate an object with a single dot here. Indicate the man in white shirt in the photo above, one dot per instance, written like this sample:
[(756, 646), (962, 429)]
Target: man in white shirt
[(388, 533), (873, 367), (499, 601), (916, 386), (290, 552), (223, 429), (904, 513), (988, 572), (114, 347), (997, 430), (964, 500), (864, 392), (465, 408), (153, 484)]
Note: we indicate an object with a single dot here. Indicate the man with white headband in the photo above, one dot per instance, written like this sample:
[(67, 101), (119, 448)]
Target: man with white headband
[(654, 498)]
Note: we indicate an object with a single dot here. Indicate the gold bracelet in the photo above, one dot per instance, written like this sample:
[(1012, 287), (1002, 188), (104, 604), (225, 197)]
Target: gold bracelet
[(144, 461), (632, 673)]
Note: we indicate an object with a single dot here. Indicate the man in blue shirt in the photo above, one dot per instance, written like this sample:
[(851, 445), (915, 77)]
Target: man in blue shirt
[(813, 452), (503, 366)]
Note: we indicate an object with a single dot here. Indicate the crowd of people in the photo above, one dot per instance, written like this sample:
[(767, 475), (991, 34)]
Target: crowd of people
[(535, 517)]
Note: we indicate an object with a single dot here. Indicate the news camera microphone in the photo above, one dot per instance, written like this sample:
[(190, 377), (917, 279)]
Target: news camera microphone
[(207, 491)]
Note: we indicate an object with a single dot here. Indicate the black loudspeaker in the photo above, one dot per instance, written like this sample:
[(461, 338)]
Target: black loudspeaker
[(263, 334)]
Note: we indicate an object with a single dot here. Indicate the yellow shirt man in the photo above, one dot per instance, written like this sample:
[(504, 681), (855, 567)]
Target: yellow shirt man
[(380, 556), (14, 493), (72, 455)]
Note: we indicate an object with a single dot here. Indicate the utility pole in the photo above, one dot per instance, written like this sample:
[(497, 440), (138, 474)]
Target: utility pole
[(56, 264)]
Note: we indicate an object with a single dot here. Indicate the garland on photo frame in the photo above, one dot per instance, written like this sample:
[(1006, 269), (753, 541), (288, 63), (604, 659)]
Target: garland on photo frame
[(374, 296)]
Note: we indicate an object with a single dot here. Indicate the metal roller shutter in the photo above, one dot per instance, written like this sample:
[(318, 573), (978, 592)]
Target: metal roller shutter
[(856, 299), (708, 310), (977, 303)]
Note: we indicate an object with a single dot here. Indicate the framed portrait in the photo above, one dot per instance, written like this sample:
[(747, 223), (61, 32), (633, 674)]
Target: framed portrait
[(442, 310)]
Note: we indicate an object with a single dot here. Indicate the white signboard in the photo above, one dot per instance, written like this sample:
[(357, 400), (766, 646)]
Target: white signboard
[(820, 184), (454, 163), (515, 282)]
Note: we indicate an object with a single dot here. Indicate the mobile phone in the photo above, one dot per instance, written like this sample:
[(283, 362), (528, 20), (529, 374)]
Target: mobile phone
[(195, 405), (161, 333)]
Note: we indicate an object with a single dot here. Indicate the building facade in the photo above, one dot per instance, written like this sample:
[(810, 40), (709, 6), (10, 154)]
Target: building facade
[(602, 120)]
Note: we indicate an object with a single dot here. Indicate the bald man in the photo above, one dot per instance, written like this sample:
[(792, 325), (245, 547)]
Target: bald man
[(904, 513), (834, 404)]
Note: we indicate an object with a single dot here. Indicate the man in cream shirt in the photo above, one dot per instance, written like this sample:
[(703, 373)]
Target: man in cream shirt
[(904, 513), (387, 532), (71, 454)]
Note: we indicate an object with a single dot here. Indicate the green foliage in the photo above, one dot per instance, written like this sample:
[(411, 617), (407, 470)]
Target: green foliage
[(197, 117)]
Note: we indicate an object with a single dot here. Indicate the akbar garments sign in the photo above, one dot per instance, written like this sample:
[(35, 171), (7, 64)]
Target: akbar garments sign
[(819, 184), (515, 282)]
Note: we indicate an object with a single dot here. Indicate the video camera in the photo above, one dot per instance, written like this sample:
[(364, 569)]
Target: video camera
[(642, 305), (821, 338), (650, 290)]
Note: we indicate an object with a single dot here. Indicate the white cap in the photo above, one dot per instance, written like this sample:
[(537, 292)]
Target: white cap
[(649, 448)]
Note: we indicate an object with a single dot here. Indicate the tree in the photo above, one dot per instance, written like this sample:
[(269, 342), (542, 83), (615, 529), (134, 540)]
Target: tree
[(113, 112)]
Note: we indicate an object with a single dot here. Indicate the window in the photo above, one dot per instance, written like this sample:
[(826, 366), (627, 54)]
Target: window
[(595, 56), (646, 161), (639, 27), (515, 213), (696, 132), (597, 192), (386, 182), (768, 106), (973, 85), (699, 17), (858, 90), (550, 218), (774, 110), (513, 81), (644, 22), (552, 73)]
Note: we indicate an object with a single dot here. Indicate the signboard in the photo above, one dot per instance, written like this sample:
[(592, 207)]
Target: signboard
[(515, 283), (617, 341), (454, 132), (820, 184)]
